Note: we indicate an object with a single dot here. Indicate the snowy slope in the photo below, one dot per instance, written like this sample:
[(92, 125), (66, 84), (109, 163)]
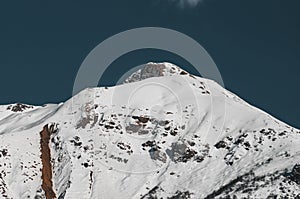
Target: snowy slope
[(162, 134)]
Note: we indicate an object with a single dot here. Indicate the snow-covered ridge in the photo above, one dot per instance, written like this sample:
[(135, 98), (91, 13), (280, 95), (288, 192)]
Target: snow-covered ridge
[(163, 134)]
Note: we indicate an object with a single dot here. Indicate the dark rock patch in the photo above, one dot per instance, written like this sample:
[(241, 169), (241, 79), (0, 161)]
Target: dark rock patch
[(221, 144), (19, 107)]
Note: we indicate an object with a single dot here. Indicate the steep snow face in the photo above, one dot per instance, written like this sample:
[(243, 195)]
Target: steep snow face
[(163, 134)]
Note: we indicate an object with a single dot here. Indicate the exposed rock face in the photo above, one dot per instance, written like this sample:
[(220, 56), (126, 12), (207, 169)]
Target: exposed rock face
[(47, 183), (294, 175), (19, 107)]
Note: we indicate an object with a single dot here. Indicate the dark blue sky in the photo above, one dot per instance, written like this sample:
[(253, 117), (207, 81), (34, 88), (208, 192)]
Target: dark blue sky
[(254, 43)]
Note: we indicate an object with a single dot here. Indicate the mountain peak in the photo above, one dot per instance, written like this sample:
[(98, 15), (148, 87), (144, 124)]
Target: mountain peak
[(152, 69), (177, 136)]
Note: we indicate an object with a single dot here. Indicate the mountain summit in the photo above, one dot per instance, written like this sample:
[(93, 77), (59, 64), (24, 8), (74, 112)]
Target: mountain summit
[(163, 134), (155, 70)]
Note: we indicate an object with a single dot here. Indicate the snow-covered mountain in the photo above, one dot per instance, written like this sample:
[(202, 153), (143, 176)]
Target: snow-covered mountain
[(164, 133)]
